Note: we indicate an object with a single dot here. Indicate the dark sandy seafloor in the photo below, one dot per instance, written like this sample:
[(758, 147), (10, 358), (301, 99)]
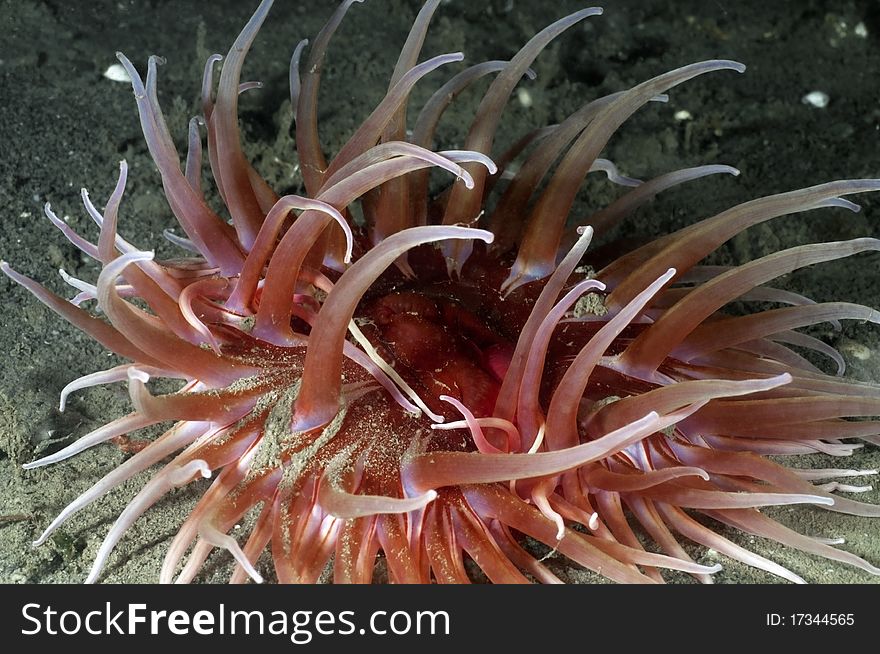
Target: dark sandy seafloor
[(63, 125)]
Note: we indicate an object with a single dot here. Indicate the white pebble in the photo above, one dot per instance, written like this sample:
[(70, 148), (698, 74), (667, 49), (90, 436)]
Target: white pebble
[(816, 99), (116, 73), (524, 97), (857, 351), (682, 114), (860, 30)]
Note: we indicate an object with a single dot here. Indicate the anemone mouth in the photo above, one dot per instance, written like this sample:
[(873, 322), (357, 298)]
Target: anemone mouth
[(438, 380)]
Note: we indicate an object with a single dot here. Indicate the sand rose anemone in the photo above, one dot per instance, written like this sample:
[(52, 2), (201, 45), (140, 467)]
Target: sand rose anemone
[(437, 376)]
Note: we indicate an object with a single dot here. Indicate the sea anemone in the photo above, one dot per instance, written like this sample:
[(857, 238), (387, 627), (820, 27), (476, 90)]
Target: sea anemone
[(444, 377)]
